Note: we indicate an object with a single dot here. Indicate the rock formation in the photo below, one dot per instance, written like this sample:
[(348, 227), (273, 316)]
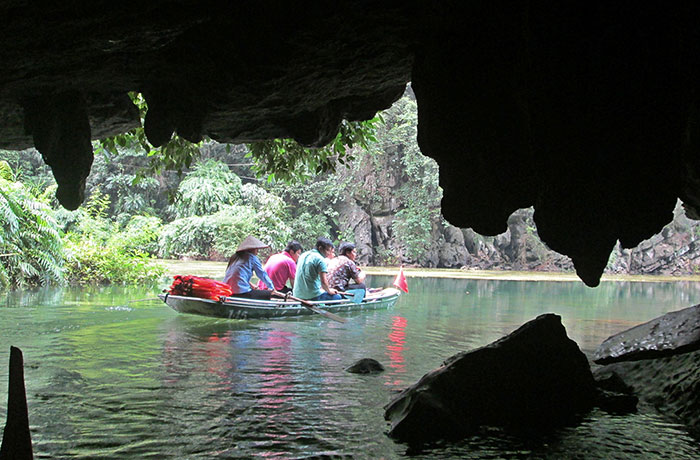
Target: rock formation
[(586, 111), (674, 333), (366, 366), (671, 385), (658, 361), (16, 439), (534, 379)]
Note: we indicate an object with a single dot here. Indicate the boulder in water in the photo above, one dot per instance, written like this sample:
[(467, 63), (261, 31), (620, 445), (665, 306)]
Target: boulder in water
[(670, 384), (674, 333), (366, 366), (534, 379)]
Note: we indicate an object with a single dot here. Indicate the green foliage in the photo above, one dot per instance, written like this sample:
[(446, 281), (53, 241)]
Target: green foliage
[(237, 222), (28, 167), (99, 252), (312, 207), (30, 244), (278, 159), (6, 171), (119, 172), (189, 237), (217, 236), (287, 160), (375, 166), (306, 228), (176, 155), (412, 229), (141, 232), (257, 197), (419, 192), (209, 187), (93, 262)]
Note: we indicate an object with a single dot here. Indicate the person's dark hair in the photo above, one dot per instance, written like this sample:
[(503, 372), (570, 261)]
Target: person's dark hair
[(238, 255), (293, 246), (323, 244), (345, 248)]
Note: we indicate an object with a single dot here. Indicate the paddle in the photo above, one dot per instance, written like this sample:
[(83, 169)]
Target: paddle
[(312, 307), (358, 295), (144, 300)]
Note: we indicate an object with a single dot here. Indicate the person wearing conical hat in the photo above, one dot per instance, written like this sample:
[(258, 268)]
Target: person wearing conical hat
[(241, 267)]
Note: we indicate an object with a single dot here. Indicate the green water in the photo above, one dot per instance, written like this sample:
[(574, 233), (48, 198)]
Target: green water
[(107, 378)]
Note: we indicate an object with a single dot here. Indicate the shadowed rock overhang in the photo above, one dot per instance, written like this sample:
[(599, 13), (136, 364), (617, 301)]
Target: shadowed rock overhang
[(588, 112)]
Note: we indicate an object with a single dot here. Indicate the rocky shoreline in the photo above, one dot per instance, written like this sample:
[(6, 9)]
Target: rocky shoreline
[(536, 379)]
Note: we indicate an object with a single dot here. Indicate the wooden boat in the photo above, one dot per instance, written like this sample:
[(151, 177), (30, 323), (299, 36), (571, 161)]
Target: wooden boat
[(242, 308)]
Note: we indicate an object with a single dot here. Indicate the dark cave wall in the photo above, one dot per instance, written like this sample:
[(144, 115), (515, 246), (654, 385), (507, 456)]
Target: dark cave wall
[(586, 111), (574, 110)]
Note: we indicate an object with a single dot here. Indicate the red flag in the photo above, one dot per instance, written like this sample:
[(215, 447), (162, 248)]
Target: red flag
[(400, 281)]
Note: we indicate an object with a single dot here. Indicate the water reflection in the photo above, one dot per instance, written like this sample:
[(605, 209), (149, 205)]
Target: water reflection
[(109, 378), (397, 339), (278, 382)]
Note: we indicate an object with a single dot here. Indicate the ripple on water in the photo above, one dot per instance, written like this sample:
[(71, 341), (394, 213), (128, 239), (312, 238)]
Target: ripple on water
[(107, 382)]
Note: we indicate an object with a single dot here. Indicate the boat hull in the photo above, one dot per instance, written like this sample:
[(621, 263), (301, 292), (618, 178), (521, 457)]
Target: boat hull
[(242, 308)]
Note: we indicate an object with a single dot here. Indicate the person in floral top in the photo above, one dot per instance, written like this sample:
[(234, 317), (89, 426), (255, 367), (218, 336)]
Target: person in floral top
[(343, 272)]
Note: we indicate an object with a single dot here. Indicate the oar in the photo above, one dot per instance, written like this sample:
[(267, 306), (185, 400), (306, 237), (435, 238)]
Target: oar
[(312, 307), (357, 295), (144, 300)]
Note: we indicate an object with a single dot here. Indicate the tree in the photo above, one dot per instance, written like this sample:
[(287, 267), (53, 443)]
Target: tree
[(282, 159), (206, 189), (287, 160), (30, 245), (98, 251)]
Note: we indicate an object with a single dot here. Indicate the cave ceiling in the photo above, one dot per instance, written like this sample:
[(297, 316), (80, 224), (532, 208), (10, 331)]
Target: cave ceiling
[(586, 111)]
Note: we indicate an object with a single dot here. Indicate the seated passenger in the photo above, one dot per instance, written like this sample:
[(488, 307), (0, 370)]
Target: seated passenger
[(343, 272), (240, 270), (282, 267), (311, 280)]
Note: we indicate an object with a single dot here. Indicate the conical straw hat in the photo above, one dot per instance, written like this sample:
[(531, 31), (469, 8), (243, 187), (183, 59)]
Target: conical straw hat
[(251, 243)]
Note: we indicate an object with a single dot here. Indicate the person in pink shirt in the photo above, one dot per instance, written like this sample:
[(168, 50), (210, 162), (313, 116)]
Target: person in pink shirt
[(283, 266)]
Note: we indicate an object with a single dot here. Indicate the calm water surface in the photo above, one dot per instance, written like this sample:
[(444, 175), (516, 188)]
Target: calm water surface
[(112, 379)]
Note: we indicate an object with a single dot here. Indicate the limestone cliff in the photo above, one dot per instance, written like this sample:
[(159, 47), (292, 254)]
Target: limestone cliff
[(370, 218)]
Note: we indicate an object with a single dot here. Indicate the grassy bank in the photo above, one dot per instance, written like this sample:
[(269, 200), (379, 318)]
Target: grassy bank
[(216, 270)]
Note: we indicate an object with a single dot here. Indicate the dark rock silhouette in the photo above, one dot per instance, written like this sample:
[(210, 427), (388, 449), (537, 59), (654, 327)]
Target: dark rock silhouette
[(16, 439), (674, 333), (587, 113), (366, 366), (670, 384), (534, 379)]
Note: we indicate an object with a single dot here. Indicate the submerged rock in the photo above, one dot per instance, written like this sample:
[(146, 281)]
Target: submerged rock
[(366, 366), (617, 403), (614, 395), (670, 384), (534, 379), (674, 333)]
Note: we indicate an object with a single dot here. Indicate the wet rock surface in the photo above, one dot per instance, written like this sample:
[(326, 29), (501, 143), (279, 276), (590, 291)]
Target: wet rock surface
[(366, 366), (658, 362), (671, 385), (674, 333), (534, 379)]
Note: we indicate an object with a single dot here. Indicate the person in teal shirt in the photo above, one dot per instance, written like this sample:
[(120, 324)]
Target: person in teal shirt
[(311, 279)]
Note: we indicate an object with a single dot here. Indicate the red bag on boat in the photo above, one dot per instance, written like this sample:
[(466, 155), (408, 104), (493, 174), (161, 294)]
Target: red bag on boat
[(196, 286)]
